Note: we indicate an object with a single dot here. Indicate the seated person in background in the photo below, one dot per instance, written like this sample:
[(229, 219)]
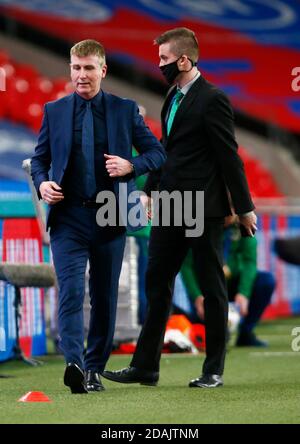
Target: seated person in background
[(251, 290)]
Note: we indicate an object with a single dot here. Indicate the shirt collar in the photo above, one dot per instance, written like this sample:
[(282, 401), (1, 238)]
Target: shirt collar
[(95, 101), (186, 87)]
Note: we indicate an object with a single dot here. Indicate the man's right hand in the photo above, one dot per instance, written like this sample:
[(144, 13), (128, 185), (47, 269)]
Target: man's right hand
[(249, 221), (51, 192)]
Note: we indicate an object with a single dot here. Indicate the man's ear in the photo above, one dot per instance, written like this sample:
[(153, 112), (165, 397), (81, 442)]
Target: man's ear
[(104, 71), (183, 59)]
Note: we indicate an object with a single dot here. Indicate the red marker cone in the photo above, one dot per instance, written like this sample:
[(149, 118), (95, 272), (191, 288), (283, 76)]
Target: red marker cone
[(34, 397)]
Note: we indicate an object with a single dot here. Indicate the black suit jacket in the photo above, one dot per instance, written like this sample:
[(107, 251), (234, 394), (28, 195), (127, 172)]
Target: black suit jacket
[(202, 151)]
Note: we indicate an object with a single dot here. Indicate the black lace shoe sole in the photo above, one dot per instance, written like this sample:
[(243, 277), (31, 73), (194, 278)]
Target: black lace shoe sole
[(74, 378)]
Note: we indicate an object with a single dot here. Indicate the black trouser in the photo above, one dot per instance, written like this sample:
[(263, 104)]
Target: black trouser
[(167, 250)]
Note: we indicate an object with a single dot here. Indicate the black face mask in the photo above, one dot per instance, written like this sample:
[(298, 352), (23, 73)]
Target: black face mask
[(171, 71)]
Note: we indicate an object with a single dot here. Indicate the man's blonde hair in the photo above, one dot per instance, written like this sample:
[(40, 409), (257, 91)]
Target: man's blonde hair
[(87, 48), (182, 41)]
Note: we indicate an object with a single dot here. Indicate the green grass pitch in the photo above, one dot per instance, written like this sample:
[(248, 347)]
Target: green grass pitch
[(261, 386)]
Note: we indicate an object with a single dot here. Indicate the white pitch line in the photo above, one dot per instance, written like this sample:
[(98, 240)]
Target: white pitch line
[(275, 354)]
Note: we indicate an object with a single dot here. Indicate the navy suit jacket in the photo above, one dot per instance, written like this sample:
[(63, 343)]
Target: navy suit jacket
[(125, 128)]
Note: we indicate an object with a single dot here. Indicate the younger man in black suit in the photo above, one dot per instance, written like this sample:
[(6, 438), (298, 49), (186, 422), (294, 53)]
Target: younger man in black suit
[(198, 135)]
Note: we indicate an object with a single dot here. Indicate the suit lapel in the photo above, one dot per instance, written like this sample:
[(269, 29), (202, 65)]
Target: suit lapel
[(111, 117), (67, 124), (185, 105), (164, 111)]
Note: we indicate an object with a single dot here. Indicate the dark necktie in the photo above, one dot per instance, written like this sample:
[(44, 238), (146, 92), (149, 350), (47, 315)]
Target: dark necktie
[(88, 150), (175, 105)]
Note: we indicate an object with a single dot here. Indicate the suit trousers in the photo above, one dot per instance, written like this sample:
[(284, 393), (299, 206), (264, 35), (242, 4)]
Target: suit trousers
[(167, 250), (76, 238)]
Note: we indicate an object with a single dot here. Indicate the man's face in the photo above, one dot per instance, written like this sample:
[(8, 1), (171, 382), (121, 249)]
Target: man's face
[(86, 75), (166, 56)]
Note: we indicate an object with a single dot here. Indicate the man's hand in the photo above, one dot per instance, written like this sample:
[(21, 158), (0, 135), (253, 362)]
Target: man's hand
[(147, 203), (249, 222), (117, 166), (227, 271), (243, 303), (51, 192), (230, 220), (199, 305)]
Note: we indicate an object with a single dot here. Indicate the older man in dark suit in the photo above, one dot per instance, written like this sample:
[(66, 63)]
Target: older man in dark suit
[(86, 139)]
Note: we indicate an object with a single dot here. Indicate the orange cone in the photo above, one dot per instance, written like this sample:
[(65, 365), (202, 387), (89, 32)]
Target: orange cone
[(34, 397)]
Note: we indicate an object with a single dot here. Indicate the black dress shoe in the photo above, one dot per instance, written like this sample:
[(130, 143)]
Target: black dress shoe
[(74, 378), (131, 375), (207, 381), (93, 382), (250, 340)]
